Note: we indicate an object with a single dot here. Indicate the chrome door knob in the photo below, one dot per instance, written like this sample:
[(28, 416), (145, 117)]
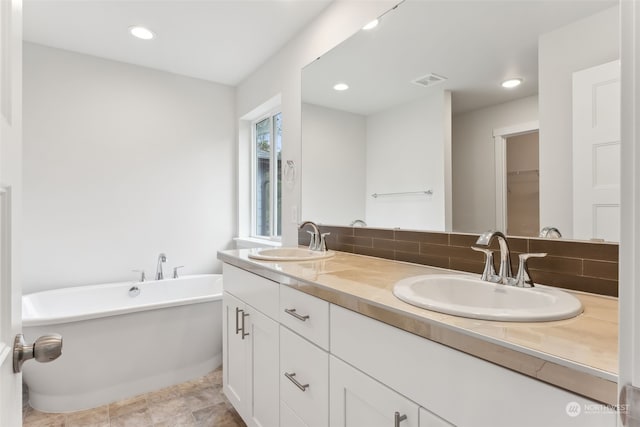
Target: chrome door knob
[(44, 349)]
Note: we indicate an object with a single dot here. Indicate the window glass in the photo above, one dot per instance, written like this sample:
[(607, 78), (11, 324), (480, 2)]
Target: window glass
[(267, 174), (277, 125)]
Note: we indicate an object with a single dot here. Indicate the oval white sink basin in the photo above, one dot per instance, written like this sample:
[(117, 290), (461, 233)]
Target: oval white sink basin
[(289, 254), (470, 297)]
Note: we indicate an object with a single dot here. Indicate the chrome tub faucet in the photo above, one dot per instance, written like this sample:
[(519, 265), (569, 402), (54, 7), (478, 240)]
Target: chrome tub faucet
[(162, 258)]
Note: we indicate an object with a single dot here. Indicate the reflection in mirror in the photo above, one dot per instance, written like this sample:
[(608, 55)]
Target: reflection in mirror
[(425, 137)]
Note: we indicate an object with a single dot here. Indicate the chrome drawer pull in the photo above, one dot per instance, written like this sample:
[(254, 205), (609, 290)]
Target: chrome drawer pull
[(302, 387), (238, 328), (397, 419), (244, 334), (292, 311)]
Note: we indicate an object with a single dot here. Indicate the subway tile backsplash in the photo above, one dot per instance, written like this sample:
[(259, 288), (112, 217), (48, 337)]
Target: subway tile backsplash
[(583, 266)]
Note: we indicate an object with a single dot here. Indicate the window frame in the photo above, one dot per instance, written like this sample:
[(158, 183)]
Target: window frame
[(273, 205)]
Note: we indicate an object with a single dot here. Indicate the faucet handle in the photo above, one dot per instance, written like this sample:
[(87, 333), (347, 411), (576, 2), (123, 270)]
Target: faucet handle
[(323, 242), (523, 278), (143, 277), (489, 272), (312, 240), (175, 271)]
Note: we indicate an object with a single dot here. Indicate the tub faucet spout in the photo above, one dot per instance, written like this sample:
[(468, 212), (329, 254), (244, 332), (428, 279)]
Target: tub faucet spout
[(162, 258)]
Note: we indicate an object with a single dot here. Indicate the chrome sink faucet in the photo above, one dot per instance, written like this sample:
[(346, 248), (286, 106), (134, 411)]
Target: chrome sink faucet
[(162, 258), (318, 241), (550, 233), (484, 241), (505, 274)]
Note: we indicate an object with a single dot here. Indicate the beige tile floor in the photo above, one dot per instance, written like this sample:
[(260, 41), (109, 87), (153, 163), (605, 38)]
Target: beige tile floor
[(197, 403)]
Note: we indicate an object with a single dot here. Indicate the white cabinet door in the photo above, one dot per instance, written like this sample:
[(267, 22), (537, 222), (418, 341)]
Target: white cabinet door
[(235, 380), (596, 152), (358, 400), (263, 359), (462, 389), (250, 362)]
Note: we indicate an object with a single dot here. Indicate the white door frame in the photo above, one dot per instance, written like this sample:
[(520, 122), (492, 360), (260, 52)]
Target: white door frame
[(500, 136), (10, 205), (629, 297)]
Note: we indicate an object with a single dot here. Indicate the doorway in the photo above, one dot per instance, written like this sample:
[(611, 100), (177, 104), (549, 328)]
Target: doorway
[(517, 163), (523, 184)]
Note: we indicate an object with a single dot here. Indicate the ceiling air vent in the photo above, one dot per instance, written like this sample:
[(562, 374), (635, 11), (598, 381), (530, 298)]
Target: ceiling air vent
[(429, 80)]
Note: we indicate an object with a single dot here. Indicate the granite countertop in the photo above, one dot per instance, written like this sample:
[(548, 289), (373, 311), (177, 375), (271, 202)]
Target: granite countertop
[(578, 354)]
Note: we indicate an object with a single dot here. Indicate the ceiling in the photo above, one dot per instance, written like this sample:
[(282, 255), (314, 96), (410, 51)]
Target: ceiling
[(475, 44), (217, 40)]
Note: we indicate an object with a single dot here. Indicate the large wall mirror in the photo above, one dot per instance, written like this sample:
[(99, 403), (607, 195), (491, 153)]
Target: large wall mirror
[(407, 124)]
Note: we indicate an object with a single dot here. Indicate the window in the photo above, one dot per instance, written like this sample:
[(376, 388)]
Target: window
[(267, 176)]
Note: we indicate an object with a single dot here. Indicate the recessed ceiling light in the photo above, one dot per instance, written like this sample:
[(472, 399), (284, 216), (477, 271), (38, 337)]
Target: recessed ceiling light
[(340, 86), (371, 25), (511, 83), (141, 32)]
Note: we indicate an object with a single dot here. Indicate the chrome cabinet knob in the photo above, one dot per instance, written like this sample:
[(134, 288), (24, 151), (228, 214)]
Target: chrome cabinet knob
[(44, 349)]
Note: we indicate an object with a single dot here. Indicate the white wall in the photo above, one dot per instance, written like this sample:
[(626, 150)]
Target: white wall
[(474, 181), (281, 74), (121, 163), (583, 44), (406, 148), (333, 160)]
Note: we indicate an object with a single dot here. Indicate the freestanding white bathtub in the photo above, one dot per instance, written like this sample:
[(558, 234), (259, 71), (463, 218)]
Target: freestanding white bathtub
[(116, 345)]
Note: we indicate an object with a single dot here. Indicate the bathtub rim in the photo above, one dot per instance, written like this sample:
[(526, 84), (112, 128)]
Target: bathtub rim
[(45, 321)]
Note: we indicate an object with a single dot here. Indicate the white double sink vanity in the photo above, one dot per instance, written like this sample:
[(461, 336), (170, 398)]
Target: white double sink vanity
[(326, 343)]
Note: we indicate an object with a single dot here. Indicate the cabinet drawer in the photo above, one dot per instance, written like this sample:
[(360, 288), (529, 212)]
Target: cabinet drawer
[(306, 315), (256, 291), (307, 365)]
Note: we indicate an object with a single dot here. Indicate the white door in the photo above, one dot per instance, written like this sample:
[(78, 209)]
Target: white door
[(596, 152), (10, 175)]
